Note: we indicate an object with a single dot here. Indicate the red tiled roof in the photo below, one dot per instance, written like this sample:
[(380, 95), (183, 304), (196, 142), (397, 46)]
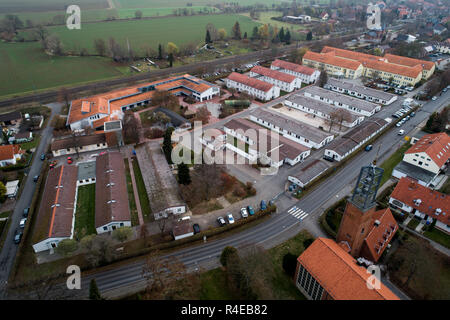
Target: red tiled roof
[(412, 72), (8, 151), (380, 235), (332, 60), (410, 62), (293, 67), (338, 273), (251, 82), (436, 146), (408, 190), (281, 76)]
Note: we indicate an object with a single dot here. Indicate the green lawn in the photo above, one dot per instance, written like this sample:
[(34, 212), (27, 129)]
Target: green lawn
[(8, 6), (31, 144), (390, 163), (143, 196), (214, 286), (438, 236), (24, 67), (148, 33), (413, 223), (133, 210), (85, 214), (282, 285)]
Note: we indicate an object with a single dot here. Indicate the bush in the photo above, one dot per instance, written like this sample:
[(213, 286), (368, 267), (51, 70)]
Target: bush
[(226, 253), (66, 247), (122, 234), (239, 192), (289, 264)]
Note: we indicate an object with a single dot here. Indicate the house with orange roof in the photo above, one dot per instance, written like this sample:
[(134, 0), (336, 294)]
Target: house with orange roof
[(10, 154), (425, 159), (303, 73), (429, 205), (284, 81), (351, 64), (96, 111), (56, 215), (259, 89), (325, 271)]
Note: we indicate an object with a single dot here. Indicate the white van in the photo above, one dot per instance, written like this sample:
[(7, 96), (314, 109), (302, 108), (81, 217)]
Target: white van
[(401, 132), (185, 218)]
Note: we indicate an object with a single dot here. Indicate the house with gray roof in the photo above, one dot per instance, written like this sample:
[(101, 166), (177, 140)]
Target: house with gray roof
[(322, 110), (308, 171), (354, 139), (361, 92), (290, 128), (359, 106)]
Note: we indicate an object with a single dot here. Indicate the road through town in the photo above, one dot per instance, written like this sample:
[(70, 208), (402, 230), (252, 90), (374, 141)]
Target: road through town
[(278, 228)]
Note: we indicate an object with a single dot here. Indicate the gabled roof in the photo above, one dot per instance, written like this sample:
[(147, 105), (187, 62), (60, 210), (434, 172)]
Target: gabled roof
[(436, 146), (251, 82), (8, 151), (293, 67), (56, 210), (410, 62), (332, 60), (111, 195), (78, 141), (338, 273), (281, 76), (382, 233), (408, 191)]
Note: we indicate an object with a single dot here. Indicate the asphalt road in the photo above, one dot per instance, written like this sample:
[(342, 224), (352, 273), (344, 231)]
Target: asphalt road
[(9, 249), (280, 227)]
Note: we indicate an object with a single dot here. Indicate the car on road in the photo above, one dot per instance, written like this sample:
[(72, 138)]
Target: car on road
[(69, 160), (221, 221), (36, 178), (22, 223), (401, 132), (434, 98), (368, 147), (444, 90), (26, 211), (250, 210), (230, 218), (196, 228), (43, 156), (244, 213), (18, 236)]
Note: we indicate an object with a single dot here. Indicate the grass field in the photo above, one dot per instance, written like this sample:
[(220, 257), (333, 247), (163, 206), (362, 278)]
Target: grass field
[(85, 214), (143, 196), (182, 3), (148, 33), (392, 161), (7, 6), (25, 67), (265, 18)]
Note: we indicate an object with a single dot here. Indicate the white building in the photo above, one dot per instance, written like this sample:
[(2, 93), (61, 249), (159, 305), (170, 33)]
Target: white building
[(292, 129), (359, 106), (11, 188), (282, 80), (10, 154), (303, 73), (322, 110), (72, 145), (256, 143), (254, 87), (360, 92)]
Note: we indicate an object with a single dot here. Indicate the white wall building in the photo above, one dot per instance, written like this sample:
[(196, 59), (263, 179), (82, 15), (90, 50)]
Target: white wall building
[(254, 87), (303, 73), (282, 80)]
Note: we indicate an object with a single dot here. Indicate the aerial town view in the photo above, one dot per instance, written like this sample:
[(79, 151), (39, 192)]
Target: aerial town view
[(228, 154)]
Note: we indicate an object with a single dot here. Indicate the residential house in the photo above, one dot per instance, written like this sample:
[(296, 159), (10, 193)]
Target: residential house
[(78, 144), (254, 87), (411, 197), (284, 81), (303, 73), (10, 154)]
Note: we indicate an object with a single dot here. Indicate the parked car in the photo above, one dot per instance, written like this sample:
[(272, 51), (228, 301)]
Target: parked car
[(18, 236), (230, 218), (368, 147), (221, 221), (401, 132), (398, 124), (23, 222), (263, 205), (43, 156), (36, 178), (26, 211), (244, 213), (185, 218), (407, 118), (412, 114), (196, 228), (434, 98), (250, 210), (396, 115), (69, 160)]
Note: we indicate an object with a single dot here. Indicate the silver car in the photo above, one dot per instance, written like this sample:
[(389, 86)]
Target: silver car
[(244, 213)]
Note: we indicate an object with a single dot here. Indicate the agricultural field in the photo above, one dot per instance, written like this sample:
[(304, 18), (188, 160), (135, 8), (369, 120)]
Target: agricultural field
[(14, 6), (147, 33), (25, 67), (183, 3), (265, 18)]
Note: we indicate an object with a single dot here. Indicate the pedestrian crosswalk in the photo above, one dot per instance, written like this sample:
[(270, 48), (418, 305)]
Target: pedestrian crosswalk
[(297, 213)]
